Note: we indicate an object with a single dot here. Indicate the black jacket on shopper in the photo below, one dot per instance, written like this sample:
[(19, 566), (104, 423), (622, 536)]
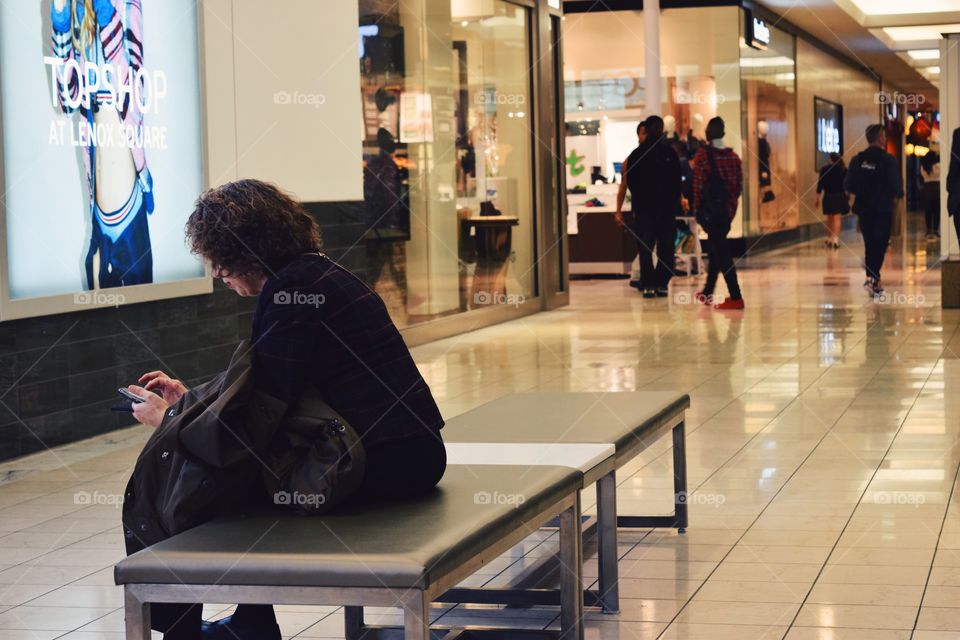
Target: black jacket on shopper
[(953, 176), (654, 177), (874, 179)]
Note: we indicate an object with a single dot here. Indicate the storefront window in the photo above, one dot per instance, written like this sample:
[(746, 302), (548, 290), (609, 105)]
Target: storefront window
[(448, 155), (770, 161)]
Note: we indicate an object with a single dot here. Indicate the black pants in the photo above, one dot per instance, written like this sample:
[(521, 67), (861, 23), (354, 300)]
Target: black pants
[(931, 206), (395, 471), (875, 227), (721, 261), (655, 232)]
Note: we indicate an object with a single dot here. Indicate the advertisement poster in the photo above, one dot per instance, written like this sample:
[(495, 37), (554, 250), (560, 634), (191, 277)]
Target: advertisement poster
[(829, 130), (102, 144)]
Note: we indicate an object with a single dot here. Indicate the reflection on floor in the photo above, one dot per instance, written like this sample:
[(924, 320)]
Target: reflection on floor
[(822, 449)]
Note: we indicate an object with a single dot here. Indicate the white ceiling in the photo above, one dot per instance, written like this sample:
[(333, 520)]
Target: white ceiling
[(881, 35)]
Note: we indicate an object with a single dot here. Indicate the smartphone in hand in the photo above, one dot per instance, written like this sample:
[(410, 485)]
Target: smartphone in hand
[(131, 396)]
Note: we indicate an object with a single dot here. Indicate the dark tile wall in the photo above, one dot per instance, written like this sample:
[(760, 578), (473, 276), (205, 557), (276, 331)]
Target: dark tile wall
[(59, 374)]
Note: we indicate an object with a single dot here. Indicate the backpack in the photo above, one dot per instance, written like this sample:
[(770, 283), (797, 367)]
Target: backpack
[(713, 199), (868, 182)]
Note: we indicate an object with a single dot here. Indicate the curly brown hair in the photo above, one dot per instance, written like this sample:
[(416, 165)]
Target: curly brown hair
[(250, 227)]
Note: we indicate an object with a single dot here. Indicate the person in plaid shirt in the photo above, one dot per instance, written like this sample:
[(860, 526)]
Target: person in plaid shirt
[(728, 165)]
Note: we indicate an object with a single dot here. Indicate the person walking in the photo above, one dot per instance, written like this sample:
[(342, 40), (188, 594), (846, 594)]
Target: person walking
[(717, 185), (930, 195), (953, 182), (836, 203), (874, 179), (621, 196), (652, 173)]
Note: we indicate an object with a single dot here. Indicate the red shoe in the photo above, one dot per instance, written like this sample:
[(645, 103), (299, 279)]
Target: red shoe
[(702, 298), (730, 305)]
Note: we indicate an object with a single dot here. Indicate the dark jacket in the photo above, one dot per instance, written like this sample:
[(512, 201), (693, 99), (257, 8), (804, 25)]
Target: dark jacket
[(953, 176), (654, 178), (226, 447), (317, 323), (832, 176), (874, 166)]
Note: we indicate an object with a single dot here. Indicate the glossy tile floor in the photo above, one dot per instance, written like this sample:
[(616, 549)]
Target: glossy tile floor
[(822, 446)]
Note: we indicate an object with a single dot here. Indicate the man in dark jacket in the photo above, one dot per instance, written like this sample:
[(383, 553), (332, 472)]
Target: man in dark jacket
[(953, 182), (653, 175), (874, 179)]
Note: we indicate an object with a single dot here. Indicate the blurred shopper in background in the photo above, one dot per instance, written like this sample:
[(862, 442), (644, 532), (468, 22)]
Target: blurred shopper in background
[(874, 180), (930, 174), (717, 185), (652, 173), (621, 196), (830, 191)]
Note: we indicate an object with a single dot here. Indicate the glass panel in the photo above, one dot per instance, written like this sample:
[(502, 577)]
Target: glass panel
[(495, 162), (605, 96), (770, 164), (447, 143)]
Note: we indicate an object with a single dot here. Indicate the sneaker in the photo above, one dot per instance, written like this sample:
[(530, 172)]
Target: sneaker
[(703, 298), (836, 243), (649, 293), (635, 284), (730, 304), (873, 287), (663, 293), (223, 629)]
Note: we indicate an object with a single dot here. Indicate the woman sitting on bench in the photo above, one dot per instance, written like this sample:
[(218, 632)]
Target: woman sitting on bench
[(315, 324)]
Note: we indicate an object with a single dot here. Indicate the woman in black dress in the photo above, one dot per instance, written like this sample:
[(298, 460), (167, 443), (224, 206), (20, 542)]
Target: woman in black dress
[(835, 200)]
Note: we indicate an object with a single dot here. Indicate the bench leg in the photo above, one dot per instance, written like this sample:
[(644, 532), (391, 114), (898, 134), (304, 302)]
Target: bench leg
[(416, 616), (352, 622), (609, 585), (571, 573), (680, 476), (136, 616)]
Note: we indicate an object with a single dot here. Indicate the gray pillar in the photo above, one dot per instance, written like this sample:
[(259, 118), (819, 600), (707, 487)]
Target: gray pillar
[(651, 54)]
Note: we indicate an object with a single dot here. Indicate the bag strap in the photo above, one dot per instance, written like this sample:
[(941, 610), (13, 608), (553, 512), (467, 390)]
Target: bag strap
[(712, 163)]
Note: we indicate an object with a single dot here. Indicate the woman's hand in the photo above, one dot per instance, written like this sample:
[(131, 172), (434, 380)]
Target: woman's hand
[(151, 411), (171, 390)]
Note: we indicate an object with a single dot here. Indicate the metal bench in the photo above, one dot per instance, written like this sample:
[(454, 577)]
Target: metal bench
[(402, 554), (534, 425)]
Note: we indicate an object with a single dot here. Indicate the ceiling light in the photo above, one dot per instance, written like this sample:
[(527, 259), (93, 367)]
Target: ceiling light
[(899, 7), (924, 32), (776, 61), (924, 54), (932, 70)]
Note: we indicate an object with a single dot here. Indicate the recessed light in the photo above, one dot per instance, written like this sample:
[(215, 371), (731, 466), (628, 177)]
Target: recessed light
[(924, 32), (924, 54), (899, 7)]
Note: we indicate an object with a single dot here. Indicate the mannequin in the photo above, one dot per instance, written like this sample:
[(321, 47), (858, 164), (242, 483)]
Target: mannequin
[(763, 154), (670, 128), (695, 135)]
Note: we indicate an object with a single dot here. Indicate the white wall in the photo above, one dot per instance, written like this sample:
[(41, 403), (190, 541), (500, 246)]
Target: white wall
[(283, 95)]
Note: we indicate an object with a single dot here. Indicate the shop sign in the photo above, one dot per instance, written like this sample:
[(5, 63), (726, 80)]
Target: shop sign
[(757, 32)]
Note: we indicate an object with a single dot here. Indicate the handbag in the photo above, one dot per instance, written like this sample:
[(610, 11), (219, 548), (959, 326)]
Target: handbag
[(318, 459)]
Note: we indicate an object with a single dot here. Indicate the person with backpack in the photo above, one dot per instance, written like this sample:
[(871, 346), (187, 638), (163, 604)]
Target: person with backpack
[(653, 175), (874, 180), (717, 185)]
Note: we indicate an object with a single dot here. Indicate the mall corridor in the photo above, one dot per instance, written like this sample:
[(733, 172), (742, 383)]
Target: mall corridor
[(822, 459)]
